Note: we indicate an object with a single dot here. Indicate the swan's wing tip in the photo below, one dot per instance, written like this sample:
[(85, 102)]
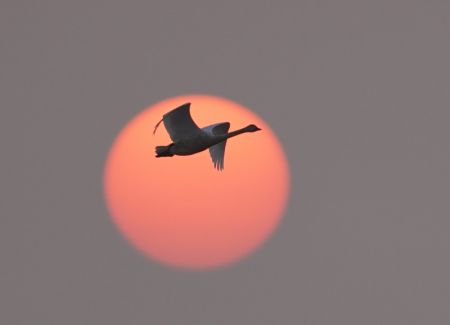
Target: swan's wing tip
[(218, 164)]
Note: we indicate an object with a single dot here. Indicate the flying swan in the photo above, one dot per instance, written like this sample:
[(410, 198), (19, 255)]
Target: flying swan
[(189, 139)]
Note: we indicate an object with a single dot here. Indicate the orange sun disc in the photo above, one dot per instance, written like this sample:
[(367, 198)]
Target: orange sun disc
[(180, 210)]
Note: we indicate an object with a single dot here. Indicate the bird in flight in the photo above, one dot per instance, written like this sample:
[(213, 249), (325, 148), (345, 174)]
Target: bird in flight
[(189, 139)]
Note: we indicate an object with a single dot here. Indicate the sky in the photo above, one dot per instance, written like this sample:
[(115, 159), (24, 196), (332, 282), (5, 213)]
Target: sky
[(358, 94)]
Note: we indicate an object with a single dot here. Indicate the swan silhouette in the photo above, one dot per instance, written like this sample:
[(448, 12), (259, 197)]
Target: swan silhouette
[(189, 139)]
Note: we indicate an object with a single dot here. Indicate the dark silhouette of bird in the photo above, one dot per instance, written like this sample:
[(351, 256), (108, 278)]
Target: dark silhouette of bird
[(189, 139)]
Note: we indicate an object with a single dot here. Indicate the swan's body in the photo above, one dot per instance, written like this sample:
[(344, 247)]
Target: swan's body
[(189, 139)]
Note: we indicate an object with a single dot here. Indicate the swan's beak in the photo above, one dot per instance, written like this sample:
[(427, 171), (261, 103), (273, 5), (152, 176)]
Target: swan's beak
[(258, 129)]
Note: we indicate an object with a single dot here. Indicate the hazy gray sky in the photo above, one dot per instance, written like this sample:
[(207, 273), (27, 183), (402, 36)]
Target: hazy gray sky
[(358, 93)]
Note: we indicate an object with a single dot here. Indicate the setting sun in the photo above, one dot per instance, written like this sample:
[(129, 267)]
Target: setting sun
[(180, 210)]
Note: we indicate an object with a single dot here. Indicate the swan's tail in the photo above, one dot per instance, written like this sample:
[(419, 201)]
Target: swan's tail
[(163, 151)]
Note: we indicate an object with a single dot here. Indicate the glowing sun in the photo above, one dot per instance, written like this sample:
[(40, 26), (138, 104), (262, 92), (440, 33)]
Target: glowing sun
[(180, 210)]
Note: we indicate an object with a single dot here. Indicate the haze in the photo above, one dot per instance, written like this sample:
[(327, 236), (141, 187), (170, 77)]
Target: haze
[(358, 93)]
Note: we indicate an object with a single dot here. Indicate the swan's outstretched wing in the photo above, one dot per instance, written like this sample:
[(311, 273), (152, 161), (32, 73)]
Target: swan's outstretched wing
[(217, 151), (179, 123)]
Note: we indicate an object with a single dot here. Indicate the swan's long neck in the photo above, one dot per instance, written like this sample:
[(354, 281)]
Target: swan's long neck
[(237, 132), (234, 133)]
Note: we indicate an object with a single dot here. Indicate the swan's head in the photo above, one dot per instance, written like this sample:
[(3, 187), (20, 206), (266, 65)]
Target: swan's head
[(252, 128)]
